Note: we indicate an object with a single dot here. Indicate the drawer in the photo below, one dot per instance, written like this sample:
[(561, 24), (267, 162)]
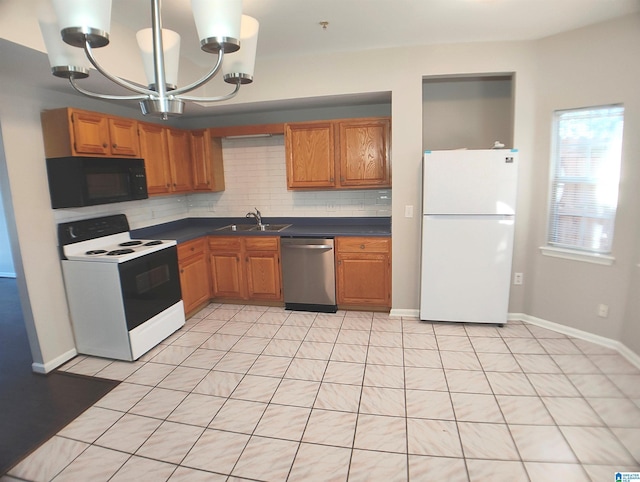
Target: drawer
[(191, 248), (222, 243), (267, 243), (363, 245)]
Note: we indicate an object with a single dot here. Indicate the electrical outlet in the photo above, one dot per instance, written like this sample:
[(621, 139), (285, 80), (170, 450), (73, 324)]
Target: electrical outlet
[(518, 278), (603, 310)]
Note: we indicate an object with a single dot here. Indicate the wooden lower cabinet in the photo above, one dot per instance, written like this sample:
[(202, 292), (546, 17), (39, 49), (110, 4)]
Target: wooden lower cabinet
[(245, 268), (194, 273), (363, 272), (227, 275)]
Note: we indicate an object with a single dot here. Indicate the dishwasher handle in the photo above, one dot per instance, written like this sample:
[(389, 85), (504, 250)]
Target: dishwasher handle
[(308, 246)]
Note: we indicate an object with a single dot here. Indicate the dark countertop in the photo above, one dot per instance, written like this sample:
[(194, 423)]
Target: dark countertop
[(192, 228)]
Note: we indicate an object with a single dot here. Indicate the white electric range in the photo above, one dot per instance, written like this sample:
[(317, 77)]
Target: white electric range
[(124, 294)]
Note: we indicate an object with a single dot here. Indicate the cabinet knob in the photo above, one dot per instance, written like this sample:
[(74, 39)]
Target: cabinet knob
[(115, 146), (104, 144), (182, 271), (362, 246), (342, 179), (331, 179)]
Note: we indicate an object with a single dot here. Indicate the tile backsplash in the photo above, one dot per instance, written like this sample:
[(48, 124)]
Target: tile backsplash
[(255, 177)]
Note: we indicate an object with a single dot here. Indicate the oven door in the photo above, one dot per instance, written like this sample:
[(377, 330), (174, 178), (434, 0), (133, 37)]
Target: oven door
[(150, 284)]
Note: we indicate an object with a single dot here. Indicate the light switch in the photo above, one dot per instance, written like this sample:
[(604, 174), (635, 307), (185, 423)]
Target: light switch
[(408, 211)]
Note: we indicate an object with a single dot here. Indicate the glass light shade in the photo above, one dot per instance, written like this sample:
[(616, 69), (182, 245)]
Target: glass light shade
[(65, 61), (241, 64), (218, 23), (171, 47), (80, 18)]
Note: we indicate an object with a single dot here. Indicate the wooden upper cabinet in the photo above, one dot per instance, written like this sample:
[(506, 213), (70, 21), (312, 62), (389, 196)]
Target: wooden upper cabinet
[(180, 160), (364, 152), (90, 133), (154, 151), (124, 137), (310, 155), (74, 132), (343, 154), (207, 162)]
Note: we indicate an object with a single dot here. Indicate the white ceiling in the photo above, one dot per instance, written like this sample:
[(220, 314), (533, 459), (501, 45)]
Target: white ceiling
[(291, 27)]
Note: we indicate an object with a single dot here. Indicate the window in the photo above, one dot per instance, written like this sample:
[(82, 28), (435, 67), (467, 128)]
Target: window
[(587, 150)]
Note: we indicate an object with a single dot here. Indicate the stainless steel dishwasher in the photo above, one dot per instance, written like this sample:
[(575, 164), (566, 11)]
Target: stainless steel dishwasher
[(308, 274)]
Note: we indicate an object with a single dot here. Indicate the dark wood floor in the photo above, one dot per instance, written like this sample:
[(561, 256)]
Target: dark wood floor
[(33, 407)]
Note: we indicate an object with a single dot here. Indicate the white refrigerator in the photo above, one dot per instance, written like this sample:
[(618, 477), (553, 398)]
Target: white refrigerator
[(468, 220)]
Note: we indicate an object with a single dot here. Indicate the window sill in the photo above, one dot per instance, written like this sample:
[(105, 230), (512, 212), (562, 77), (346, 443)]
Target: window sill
[(603, 259)]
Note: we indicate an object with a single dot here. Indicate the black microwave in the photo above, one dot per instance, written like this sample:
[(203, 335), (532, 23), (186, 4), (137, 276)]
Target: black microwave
[(88, 181)]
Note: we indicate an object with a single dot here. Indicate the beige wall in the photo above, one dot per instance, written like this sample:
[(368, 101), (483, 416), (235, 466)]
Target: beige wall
[(467, 113), (543, 82), (591, 66)]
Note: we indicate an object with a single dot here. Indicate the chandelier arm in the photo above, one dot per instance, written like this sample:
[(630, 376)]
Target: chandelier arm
[(203, 80), (117, 80), (104, 96), (212, 99)]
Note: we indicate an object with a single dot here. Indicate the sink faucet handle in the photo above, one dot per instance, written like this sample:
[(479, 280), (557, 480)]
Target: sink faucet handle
[(258, 212)]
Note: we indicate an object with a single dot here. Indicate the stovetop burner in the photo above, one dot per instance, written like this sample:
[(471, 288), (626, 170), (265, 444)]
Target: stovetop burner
[(131, 243), (118, 252), (105, 240)]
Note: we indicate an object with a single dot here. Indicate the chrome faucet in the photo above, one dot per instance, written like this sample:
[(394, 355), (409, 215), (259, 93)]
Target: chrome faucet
[(257, 216)]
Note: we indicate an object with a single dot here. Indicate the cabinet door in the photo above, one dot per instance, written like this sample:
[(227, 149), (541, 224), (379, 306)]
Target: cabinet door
[(263, 276), (310, 155), (363, 279), (180, 160), (194, 273), (364, 153), (206, 158), (363, 271), (194, 280), (227, 279), (123, 134), (153, 147), (90, 133), (225, 260)]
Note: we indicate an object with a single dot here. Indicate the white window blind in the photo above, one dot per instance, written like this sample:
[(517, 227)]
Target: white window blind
[(586, 158)]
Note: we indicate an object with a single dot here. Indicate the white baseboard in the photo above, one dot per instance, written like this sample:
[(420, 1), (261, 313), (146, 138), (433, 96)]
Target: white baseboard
[(397, 313), (45, 368), (631, 356)]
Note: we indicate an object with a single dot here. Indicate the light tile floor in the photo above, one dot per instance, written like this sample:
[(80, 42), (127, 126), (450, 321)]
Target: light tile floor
[(250, 392)]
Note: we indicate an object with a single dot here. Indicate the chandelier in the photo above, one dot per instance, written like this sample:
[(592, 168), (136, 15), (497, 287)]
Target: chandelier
[(84, 24)]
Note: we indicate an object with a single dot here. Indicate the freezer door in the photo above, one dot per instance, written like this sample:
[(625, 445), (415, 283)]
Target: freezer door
[(470, 182), (466, 268)]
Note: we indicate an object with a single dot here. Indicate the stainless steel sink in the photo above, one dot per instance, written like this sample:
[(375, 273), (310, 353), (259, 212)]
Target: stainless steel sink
[(272, 227), (253, 227), (238, 227)]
